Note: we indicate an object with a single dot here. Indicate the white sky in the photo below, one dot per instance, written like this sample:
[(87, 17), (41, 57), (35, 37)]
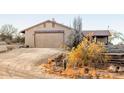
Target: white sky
[(90, 21)]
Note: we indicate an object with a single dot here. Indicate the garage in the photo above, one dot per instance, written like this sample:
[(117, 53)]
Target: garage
[(49, 38)]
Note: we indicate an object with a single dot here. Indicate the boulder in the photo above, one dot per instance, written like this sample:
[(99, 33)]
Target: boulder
[(59, 59), (112, 68), (2, 43), (115, 48), (3, 48), (121, 69)]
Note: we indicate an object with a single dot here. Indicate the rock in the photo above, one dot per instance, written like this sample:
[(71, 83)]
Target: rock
[(59, 59), (112, 68), (3, 48), (86, 76), (2, 43), (115, 48), (121, 69)]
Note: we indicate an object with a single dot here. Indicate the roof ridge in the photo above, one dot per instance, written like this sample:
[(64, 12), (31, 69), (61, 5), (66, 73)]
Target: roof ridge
[(45, 22), (98, 32)]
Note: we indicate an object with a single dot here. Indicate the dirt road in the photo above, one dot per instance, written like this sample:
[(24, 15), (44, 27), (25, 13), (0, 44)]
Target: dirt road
[(22, 63)]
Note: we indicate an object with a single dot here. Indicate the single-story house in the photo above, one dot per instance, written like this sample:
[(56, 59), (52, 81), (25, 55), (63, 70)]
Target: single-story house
[(50, 34), (98, 35)]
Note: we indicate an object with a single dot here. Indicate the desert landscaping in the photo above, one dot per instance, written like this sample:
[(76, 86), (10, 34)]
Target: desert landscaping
[(51, 50), (23, 63)]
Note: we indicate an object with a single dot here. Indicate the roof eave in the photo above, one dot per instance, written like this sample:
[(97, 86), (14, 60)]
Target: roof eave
[(23, 31)]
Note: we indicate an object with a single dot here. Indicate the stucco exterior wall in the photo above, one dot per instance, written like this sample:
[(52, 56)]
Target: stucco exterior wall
[(102, 39), (29, 34), (29, 38)]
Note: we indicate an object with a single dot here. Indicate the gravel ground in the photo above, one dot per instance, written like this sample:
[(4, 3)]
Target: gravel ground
[(23, 63)]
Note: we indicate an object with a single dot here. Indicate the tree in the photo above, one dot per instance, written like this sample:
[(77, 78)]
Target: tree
[(76, 34), (19, 38), (7, 31), (117, 36)]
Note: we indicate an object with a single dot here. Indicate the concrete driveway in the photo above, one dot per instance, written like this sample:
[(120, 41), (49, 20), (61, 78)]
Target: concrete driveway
[(22, 63)]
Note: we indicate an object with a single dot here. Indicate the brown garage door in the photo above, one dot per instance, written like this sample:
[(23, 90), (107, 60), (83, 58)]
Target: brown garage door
[(49, 40)]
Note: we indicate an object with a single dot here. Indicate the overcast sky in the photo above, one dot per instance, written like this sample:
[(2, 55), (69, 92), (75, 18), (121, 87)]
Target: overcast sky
[(90, 21)]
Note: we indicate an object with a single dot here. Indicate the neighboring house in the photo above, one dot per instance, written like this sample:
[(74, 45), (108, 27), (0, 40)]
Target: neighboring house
[(98, 35), (50, 34)]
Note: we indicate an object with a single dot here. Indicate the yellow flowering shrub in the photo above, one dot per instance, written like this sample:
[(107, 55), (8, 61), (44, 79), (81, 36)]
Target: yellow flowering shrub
[(87, 52)]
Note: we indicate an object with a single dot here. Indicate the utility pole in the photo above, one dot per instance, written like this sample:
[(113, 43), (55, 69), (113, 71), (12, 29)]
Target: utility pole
[(108, 27)]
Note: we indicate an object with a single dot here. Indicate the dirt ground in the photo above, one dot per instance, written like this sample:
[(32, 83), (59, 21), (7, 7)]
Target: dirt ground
[(23, 63)]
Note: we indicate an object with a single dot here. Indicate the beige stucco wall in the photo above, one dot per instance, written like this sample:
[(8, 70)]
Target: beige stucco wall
[(102, 39), (48, 40), (29, 34)]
